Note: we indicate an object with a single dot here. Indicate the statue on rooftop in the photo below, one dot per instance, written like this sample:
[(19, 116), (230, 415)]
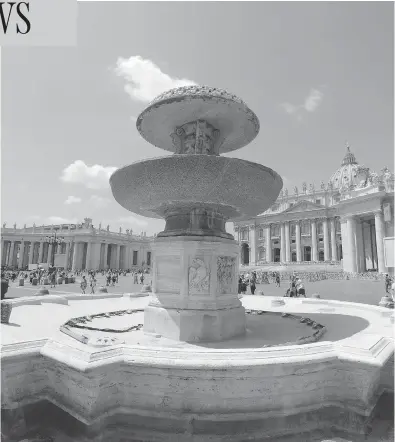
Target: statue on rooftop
[(304, 187), (322, 185), (108, 227), (14, 225), (99, 226), (120, 230), (296, 190), (4, 224), (311, 189), (24, 226), (285, 192)]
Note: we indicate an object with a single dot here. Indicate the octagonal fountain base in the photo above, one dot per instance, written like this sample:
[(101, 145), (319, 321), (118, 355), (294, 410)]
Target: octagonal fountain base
[(194, 293), (79, 387)]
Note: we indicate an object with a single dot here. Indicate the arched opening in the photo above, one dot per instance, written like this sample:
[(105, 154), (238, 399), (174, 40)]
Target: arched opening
[(276, 254), (321, 256), (293, 257), (245, 254), (340, 252)]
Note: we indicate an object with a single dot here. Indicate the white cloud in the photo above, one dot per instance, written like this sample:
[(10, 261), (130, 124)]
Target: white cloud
[(93, 177), (144, 78), (313, 100), (99, 202), (73, 200), (289, 108), (311, 103)]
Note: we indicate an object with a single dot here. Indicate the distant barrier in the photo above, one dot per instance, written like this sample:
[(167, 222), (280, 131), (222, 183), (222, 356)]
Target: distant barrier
[(264, 277)]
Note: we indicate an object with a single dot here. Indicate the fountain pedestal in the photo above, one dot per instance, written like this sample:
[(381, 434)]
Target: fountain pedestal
[(194, 290)]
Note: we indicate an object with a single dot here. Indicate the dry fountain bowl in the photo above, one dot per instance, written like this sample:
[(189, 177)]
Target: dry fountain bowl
[(230, 186)]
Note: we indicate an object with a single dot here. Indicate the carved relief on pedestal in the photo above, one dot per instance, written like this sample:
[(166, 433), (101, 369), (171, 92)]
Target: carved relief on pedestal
[(226, 274), (198, 277)]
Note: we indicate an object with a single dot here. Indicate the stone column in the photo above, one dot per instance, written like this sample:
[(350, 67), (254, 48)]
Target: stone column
[(268, 244), (333, 240), (252, 235), (75, 256), (326, 239), (282, 242), (66, 262), (314, 254), (3, 252), (298, 244), (351, 230), (49, 257), (11, 256), (31, 252), (380, 233), (88, 255), (21, 254), (105, 256), (40, 252), (287, 242), (118, 255)]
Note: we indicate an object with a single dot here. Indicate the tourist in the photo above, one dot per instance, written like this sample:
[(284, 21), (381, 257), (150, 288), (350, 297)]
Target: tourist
[(114, 278), (277, 279), (84, 285), (142, 278), (93, 285), (387, 283), (253, 283), (4, 286), (300, 288)]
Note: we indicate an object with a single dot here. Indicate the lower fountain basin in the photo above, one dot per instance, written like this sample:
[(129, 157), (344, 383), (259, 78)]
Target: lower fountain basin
[(160, 187), (151, 389)]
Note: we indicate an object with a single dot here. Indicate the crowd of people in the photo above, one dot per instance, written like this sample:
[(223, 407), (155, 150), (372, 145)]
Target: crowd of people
[(51, 275), (295, 286)]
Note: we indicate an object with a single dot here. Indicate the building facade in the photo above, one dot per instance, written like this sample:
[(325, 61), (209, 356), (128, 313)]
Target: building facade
[(349, 222), (83, 247)]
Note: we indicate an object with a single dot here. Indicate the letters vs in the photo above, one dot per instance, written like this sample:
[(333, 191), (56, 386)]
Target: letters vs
[(20, 7)]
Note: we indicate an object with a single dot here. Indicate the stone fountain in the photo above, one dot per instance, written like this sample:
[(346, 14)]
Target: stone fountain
[(192, 362), (196, 191)]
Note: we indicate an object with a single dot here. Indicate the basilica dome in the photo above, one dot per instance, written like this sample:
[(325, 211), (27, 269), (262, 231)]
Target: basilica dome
[(348, 173)]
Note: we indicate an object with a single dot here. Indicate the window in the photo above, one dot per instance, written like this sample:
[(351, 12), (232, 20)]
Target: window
[(275, 242), (293, 229), (293, 241), (305, 228), (148, 258), (276, 230), (337, 225), (260, 233), (321, 239), (320, 228), (291, 204), (318, 201), (244, 235), (261, 254), (135, 253)]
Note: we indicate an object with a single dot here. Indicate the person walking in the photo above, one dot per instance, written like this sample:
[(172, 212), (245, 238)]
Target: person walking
[(4, 286), (93, 285), (84, 285), (253, 283), (277, 279)]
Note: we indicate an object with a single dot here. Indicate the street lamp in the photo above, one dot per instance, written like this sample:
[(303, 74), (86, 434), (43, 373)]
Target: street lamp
[(54, 241)]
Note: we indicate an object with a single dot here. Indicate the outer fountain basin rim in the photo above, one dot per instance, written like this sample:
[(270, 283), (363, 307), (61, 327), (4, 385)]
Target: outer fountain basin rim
[(233, 187), (237, 123)]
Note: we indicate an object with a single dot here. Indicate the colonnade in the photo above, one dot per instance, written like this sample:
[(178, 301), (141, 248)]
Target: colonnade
[(76, 254), (285, 237), (354, 245)]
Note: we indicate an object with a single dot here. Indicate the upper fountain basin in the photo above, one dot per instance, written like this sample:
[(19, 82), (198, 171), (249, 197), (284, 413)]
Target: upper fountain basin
[(230, 186), (234, 120)]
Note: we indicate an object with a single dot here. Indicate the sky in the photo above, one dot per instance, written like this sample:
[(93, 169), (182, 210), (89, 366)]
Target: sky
[(315, 73)]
